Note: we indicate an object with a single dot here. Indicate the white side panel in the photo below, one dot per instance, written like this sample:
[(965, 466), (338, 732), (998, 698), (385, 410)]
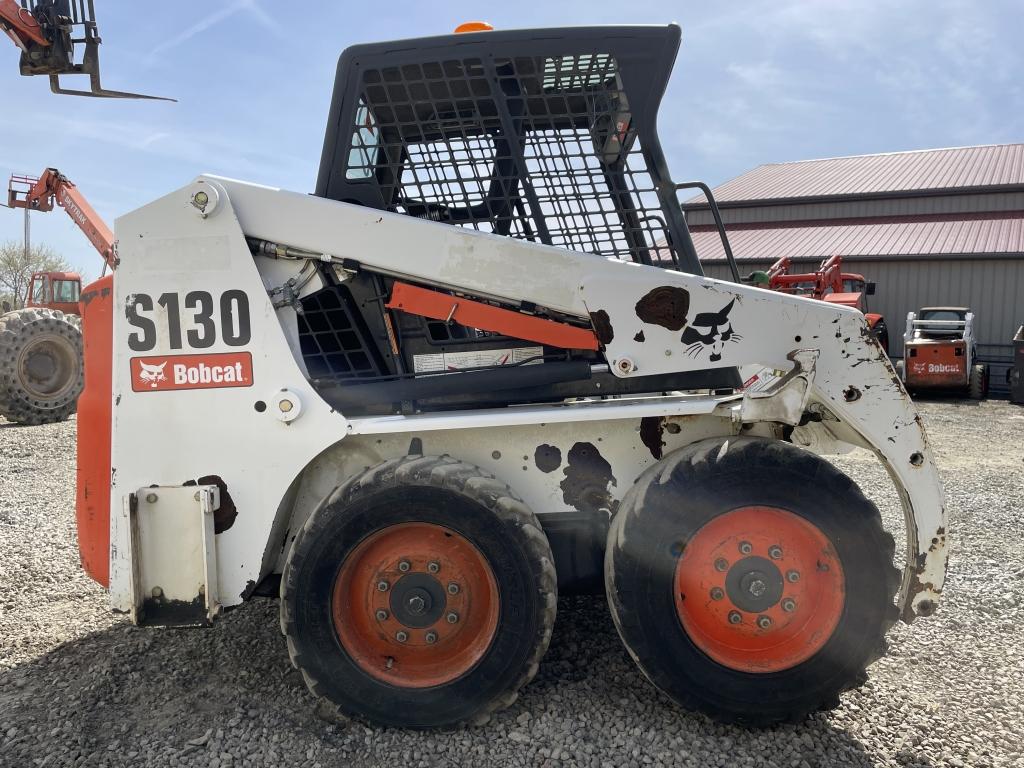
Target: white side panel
[(170, 437)]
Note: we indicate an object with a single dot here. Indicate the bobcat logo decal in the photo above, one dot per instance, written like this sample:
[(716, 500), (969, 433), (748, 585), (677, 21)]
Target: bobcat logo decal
[(710, 330), (152, 374)]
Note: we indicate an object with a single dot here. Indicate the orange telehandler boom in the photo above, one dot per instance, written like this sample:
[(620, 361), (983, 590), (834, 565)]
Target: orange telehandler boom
[(54, 188)]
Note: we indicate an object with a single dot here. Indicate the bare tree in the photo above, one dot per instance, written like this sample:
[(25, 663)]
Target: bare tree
[(16, 268)]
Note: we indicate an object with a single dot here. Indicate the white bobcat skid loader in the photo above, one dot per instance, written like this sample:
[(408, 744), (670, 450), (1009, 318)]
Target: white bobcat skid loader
[(429, 430)]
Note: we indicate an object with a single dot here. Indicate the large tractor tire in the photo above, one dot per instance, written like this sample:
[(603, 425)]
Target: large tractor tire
[(41, 370), (420, 594), (977, 384), (750, 580)]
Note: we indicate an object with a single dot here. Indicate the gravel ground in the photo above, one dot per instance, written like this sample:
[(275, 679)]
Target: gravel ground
[(80, 686)]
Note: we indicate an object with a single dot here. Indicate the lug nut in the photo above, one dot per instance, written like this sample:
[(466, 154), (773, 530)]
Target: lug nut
[(430, 637), (433, 566), (734, 617), (745, 548), (401, 636), (453, 588), (764, 622), (775, 552), (453, 618), (822, 567), (721, 564), (381, 614), (793, 576), (717, 593), (403, 565), (789, 605), (382, 586)]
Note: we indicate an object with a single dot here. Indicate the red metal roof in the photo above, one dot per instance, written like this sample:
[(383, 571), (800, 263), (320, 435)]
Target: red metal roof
[(995, 165), (969, 234)]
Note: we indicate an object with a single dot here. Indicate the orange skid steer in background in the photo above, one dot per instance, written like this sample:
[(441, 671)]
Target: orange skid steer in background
[(940, 352)]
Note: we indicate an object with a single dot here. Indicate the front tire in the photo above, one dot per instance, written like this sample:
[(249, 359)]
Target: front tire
[(750, 580), (420, 594)]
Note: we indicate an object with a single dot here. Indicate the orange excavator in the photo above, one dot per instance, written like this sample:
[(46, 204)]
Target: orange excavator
[(41, 371), (48, 31)]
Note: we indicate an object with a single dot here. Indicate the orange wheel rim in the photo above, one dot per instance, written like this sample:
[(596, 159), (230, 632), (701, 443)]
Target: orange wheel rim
[(759, 589), (415, 605)]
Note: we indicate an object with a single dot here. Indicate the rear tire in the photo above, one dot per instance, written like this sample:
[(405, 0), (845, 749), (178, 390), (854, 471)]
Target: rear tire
[(977, 386), (41, 371), (372, 547), (693, 626)]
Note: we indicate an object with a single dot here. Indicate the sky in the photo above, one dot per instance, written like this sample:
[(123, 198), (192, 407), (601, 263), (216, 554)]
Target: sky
[(755, 82)]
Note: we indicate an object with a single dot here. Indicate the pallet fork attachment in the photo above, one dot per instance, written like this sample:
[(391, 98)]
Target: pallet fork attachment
[(44, 31)]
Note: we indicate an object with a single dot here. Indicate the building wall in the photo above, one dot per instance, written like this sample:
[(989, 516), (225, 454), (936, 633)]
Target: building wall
[(992, 288), (841, 209)]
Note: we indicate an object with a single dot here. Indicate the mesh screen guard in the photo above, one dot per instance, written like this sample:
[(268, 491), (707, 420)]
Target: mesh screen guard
[(547, 136)]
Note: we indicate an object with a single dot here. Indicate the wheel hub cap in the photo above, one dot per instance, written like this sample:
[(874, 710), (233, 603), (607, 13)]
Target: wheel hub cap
[(777, 601), (754, 584), (418, 600), (48, 367)]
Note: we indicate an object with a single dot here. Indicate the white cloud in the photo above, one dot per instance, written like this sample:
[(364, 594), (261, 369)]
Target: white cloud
[(762, 74), (252, 7)]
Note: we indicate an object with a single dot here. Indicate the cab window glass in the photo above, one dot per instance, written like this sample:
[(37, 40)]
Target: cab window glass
[(65, 290), (39, 290), (362, 154)]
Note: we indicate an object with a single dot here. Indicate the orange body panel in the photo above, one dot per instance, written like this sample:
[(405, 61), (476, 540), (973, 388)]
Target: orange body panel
[(67, 307), (20, 25), (939, 364), (92, 505), (474, 314)]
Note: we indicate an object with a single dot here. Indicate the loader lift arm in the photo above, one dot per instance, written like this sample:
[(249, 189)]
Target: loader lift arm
[(54, 188)]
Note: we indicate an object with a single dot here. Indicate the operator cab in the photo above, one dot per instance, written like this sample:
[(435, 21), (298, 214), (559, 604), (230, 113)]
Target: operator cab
[(956, 317), (543, 135), (540, 135), (55, 290)]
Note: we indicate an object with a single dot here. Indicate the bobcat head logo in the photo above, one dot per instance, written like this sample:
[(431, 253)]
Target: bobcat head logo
[(710, 330), (152, 374)]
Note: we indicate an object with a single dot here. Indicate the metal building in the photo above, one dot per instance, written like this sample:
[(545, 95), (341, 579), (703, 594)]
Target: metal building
[(929, 227)]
